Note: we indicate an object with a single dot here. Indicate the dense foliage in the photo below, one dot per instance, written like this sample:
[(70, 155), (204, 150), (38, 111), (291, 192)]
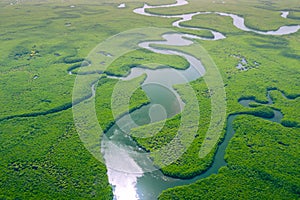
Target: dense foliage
[(104, 100), (262, 164), (41, 155), (43, 158)]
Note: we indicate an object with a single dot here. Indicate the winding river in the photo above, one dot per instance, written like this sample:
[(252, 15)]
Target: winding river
[(133, 176), (238, 21), (137, 177)]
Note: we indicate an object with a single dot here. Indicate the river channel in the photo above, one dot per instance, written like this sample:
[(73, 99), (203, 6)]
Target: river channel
[(133, 176)]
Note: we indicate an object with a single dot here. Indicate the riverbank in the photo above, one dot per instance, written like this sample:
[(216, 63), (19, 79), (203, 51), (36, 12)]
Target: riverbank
[(43, 156)]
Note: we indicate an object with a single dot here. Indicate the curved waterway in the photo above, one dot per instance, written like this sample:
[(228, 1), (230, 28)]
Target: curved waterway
[(133, 176), (238, 21), (131, 173)]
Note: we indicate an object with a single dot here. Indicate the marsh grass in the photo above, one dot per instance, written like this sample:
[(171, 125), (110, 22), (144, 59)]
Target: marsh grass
[(43, 157)]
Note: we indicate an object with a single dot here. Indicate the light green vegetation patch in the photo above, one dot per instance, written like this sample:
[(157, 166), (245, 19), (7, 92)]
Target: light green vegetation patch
[(214, 22), (201, 33), (295, 14), (147, 59), (288, 107)]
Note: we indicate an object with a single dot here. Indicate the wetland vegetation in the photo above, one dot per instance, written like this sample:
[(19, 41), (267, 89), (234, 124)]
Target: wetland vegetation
[(43, 46)]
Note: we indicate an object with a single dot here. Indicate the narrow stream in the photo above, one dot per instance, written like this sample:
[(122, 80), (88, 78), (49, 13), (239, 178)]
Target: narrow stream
[(238, 21), (133, 176)]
